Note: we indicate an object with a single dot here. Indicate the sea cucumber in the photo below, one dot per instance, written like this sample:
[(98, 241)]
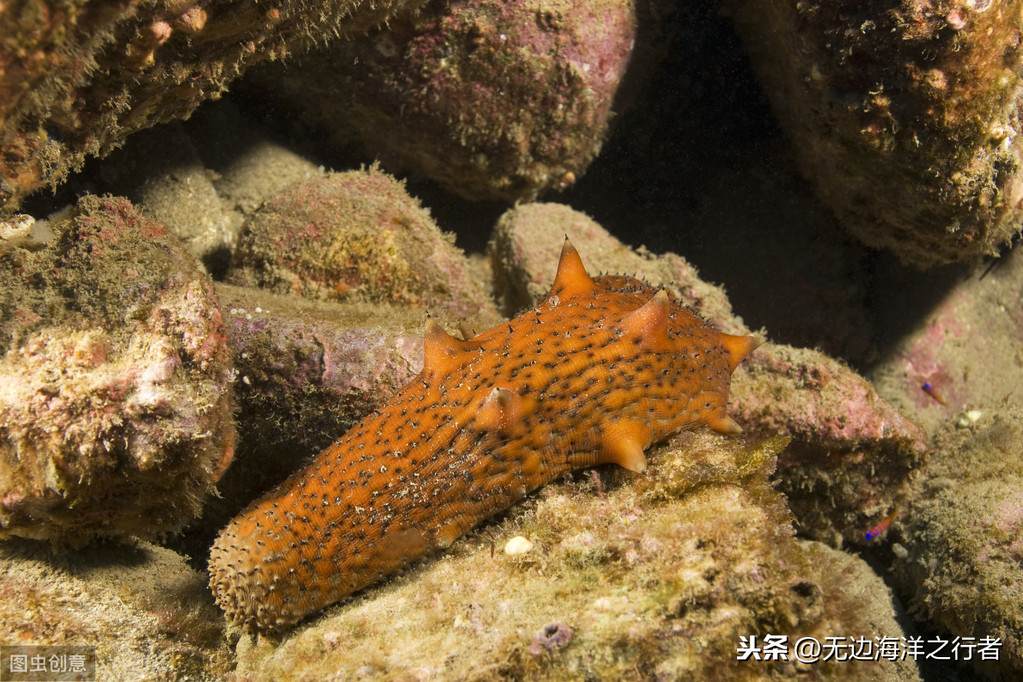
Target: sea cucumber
[(596, 373)]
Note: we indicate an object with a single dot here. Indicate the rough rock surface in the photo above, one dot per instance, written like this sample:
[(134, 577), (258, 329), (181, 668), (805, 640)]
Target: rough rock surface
[(955, 365), (957, 334), (852, 451), (115, 401), (358, 237), (904, 113), (144, 610), (493, 99), (958, 550), (79, 77), (166, 179)]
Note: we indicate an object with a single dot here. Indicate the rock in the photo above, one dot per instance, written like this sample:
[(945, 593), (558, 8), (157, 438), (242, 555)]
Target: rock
[(115, 401), (491, 99), (305, 373), (953, 340), (83, 79), (247, 164), (902, 113), (162, 174), (358, 237), (957, 549), (851, 451), (655, 576), (955, 365), (524, 253), (144, 610)]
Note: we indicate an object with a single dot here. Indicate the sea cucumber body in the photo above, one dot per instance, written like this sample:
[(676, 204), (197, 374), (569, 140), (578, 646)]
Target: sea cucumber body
[(596, 373)]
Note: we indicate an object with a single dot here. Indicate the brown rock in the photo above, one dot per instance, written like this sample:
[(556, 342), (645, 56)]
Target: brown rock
[(492, 99), (902, 113), (78, 78), (358, 237)]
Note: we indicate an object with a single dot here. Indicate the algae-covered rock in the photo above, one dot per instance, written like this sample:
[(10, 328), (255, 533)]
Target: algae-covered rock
[(524, 254), (201, 179), (904, 114), (144, 610), (358, 237), (954, 347), (492, 99), (958, 552), (115, 401), (80, 76), (629, 577), (305, 372), (852, 450), (164, 176)]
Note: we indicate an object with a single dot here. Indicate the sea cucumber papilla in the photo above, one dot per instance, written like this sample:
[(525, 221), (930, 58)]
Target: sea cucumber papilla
[(596, 373)]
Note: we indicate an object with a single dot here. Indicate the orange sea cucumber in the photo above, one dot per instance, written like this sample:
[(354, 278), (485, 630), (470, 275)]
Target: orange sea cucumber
[(594, 374)]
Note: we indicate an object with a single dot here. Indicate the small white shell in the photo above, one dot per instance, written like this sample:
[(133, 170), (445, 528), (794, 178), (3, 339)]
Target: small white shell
[(517, 545)]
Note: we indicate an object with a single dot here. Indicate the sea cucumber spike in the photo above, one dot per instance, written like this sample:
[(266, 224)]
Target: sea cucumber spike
[(650, 322), (738, 347), (623, 445), (440, 350), (628, 455), (572, 278), (725, 424), (501, 411)]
